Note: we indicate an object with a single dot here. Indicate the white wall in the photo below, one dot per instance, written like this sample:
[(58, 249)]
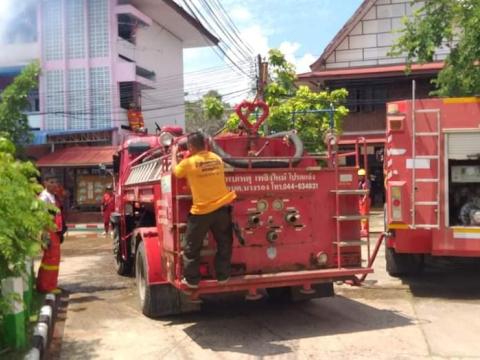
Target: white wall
[(370, 40), (159, 51)]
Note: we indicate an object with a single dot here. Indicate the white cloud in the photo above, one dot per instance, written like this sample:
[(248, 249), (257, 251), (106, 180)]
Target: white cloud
[(257, 37), (240, 14), (303, 64), (290, 49)]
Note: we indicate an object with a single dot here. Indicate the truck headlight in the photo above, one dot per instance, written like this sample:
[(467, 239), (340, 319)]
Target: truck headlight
[(166, 139)]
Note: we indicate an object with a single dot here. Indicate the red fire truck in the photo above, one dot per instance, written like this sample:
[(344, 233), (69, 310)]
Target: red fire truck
[(432, 167), (296, 220)]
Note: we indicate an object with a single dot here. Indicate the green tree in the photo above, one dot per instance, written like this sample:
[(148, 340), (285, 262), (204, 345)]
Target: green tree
[(298, 108), (208, 113), (14, 100), (22, 215), (451, 23)]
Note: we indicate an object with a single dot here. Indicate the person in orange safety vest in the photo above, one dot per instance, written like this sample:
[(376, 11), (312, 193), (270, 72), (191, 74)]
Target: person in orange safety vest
[(108, 206), (135, 118), (47, 279), (364, 201)]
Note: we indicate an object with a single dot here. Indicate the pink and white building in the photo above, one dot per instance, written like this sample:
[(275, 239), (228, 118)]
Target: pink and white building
[(98, 56)]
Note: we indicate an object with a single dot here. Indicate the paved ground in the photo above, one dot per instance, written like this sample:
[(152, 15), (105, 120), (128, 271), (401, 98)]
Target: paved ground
[(434, 316)]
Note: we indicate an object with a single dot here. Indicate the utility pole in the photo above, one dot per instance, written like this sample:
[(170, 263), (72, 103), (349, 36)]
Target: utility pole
[(262, 80), (262, 77)]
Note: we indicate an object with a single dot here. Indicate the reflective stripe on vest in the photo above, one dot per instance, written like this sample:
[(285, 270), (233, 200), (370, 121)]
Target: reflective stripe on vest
[(49, 267)]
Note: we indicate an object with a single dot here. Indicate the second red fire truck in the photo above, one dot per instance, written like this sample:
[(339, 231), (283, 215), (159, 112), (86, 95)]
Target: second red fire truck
[(432, 167)]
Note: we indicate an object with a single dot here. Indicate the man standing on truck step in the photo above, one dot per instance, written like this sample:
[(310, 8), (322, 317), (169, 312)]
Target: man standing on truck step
[(211, 209)]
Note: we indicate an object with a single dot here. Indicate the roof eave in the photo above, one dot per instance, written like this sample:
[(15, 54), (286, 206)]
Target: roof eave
[(343, 32), (192, 21)]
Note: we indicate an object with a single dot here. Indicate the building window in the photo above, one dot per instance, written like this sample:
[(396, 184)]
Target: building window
[(77, 99), (54, 103), (353, 100), (98, 28), (366, 98), (52, 30), (33, 102), (100, 97), (75, 29)]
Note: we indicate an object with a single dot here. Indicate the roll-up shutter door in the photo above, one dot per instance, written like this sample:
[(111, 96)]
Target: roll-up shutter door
[(463, 146)]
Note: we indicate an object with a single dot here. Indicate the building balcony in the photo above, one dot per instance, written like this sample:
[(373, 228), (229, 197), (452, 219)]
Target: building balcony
[(129, 20), (130, 72), (125, 48), (131, 14)]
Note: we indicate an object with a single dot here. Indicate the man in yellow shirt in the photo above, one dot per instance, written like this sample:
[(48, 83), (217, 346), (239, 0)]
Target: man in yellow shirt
[(210, 210)]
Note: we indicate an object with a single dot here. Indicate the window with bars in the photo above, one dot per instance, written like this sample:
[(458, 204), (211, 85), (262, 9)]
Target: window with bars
[(54, 101), (100, 97), (75, 19), (77, 99), (98, 31), (52, 30)]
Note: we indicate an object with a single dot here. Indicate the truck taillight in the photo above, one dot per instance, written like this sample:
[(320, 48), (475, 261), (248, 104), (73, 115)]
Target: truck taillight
[(396, 201)]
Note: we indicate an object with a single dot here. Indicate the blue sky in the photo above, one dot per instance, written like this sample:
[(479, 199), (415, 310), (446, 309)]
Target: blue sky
[(300, 28)]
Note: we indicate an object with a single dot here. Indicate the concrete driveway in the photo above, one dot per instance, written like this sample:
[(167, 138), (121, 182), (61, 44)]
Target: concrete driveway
[(434, 316)]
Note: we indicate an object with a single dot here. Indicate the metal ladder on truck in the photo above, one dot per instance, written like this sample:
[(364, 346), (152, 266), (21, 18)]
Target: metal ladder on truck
[(416, 159), (340, 218)]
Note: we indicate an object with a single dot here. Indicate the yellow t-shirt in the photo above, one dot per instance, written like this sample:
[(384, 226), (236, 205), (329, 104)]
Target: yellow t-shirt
[(205, 175)]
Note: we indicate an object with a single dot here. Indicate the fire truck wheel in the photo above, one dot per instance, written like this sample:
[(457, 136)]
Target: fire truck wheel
[(403, 264), (123, 267), (160, 299)]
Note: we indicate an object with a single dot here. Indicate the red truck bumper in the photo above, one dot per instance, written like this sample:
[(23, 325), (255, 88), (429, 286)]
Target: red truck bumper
[(252, 283)]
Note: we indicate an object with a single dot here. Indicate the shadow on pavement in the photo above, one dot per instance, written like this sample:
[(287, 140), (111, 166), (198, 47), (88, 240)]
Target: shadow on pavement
[(80, 349), (448, 279), (231, 324), (84, 288)]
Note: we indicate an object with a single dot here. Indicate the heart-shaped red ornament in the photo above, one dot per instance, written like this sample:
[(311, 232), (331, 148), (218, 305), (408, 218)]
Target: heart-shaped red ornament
[(246, 108)]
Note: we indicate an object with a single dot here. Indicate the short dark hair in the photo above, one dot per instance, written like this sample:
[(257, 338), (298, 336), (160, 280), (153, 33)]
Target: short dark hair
[(196, 140)]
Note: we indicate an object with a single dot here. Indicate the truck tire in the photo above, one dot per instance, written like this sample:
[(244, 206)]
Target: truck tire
[(403, 264), (160, 299), (122, 267)]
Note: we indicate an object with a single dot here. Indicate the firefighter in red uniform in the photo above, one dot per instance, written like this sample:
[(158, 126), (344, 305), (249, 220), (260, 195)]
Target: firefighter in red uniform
[(108, 206), (47, 279), (135, 118), (364, 201)]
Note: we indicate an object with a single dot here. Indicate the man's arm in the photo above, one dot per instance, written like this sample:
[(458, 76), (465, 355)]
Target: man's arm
[(178, 169)]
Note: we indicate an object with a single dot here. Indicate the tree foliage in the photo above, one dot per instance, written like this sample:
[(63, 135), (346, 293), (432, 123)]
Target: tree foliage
[(299, 108), (14, 100), (454, 24), (207, 113), (22, 215)]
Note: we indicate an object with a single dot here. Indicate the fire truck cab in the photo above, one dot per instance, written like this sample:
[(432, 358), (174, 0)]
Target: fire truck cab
[(296, 221), (432, 168)]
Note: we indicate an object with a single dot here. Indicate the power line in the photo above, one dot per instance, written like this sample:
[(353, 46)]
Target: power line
[(231, 24), (196, 14), (243, 51)]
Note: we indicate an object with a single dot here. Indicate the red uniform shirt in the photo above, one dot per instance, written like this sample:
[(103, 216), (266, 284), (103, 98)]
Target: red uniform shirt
[(108, 203)]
